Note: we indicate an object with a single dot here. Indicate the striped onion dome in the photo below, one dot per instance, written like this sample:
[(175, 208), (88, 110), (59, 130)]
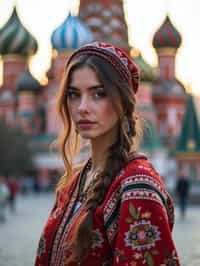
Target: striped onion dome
[(15, 39), (167, 36), (71, 34), (147, 73), (27, 82)]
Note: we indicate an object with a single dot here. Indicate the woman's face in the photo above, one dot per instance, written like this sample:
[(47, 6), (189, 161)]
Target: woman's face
[(89, 106)]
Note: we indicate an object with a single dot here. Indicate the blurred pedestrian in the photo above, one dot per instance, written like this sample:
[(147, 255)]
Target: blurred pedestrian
[(115, 210), (26, 184), (13, 186), (182, 192), (4, 194)]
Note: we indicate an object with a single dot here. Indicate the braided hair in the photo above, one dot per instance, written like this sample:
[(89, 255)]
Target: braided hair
[(123, 100)]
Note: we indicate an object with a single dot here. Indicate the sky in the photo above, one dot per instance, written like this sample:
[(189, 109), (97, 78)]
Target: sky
[(144, 17)]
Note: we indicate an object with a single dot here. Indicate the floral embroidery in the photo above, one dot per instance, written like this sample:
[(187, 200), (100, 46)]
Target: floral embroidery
[(133, 263), (142, 235), (148, 257), (97, 239), (120, 218), (41, 246), (134, 214), (146, 215), (119, 255), (137, 255), (171, 259)]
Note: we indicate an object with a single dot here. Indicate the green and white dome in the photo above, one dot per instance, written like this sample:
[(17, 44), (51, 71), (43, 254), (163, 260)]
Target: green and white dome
[(15, 39)]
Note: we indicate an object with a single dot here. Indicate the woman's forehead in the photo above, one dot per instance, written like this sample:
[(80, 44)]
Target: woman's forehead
[(84, 75)]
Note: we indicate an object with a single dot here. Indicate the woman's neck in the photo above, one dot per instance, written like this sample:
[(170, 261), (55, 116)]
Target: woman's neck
[(98, 156), (99, 153), (99, 149)]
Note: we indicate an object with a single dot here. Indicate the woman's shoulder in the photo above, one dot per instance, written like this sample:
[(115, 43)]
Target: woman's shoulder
[(140, 168), (139, 180), (137, 169), (139, 175)]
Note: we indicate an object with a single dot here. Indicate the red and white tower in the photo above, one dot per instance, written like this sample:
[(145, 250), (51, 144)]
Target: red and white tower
[(16, 47), (106, 20), (168, 92)]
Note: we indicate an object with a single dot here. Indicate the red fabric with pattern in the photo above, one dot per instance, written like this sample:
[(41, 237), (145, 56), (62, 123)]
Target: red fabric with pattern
[(132, 227)]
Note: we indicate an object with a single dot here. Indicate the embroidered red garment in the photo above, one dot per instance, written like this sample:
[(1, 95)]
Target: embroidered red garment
[(132, 227)]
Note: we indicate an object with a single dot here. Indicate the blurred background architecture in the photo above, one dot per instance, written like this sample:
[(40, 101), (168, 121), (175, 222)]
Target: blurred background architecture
[(172, 132)]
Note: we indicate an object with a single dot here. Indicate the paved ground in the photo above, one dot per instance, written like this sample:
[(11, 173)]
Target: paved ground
[(19, 235), (187, 237)]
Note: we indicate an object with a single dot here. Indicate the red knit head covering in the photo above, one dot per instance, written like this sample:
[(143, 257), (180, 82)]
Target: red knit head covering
[(115, 56)]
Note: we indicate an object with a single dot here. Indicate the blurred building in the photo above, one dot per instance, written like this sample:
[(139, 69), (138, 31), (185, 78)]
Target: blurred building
[(106, 21), (187, 151), (24, 101), (168, 93)]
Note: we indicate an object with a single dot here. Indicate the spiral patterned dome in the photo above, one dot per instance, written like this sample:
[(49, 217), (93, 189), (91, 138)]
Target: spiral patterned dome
[(15, 39), (71, 34), (167, 36), (27, 82)]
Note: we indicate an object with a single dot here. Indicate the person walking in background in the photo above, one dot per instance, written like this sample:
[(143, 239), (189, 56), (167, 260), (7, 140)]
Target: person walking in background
[(182, 193), (4, 194), (13, 186), (115, 210)]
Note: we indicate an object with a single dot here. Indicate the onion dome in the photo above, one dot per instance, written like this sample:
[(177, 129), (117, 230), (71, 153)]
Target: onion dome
[(27, 82), (15, 39), (167, 36), (71, 34), (146, 71)]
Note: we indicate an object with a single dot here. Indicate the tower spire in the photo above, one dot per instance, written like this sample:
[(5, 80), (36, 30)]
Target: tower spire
[(73, 7), (167, 7), (106, 19)]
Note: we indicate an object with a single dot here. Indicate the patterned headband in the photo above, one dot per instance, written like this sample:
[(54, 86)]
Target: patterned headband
[(115, 56)]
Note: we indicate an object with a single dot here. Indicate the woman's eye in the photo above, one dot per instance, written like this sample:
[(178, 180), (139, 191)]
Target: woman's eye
[(99, 94), (72, 94)]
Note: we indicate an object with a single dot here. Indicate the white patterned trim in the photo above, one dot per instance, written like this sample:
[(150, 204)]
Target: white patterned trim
[(111, 204), (141, 178)]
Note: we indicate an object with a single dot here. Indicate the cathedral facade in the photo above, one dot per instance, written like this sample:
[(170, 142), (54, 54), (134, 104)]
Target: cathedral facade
[(25, 102)]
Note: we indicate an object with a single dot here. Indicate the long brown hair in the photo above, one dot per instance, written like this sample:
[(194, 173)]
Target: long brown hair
[(123, 100)]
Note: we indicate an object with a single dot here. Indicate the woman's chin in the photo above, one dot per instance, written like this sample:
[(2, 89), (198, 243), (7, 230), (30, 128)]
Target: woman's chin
[(88, 135)]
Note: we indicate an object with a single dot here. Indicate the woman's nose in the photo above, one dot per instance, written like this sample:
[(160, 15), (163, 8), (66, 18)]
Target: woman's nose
[(84, 104)]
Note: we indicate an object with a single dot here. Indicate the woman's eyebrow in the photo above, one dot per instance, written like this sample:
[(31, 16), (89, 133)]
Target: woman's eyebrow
[(95, 87)]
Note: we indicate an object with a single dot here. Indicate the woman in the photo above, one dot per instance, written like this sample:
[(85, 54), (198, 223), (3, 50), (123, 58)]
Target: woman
[(115, 210)]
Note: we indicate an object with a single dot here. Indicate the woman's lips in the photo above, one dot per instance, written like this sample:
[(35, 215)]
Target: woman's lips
[(85, 124)]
